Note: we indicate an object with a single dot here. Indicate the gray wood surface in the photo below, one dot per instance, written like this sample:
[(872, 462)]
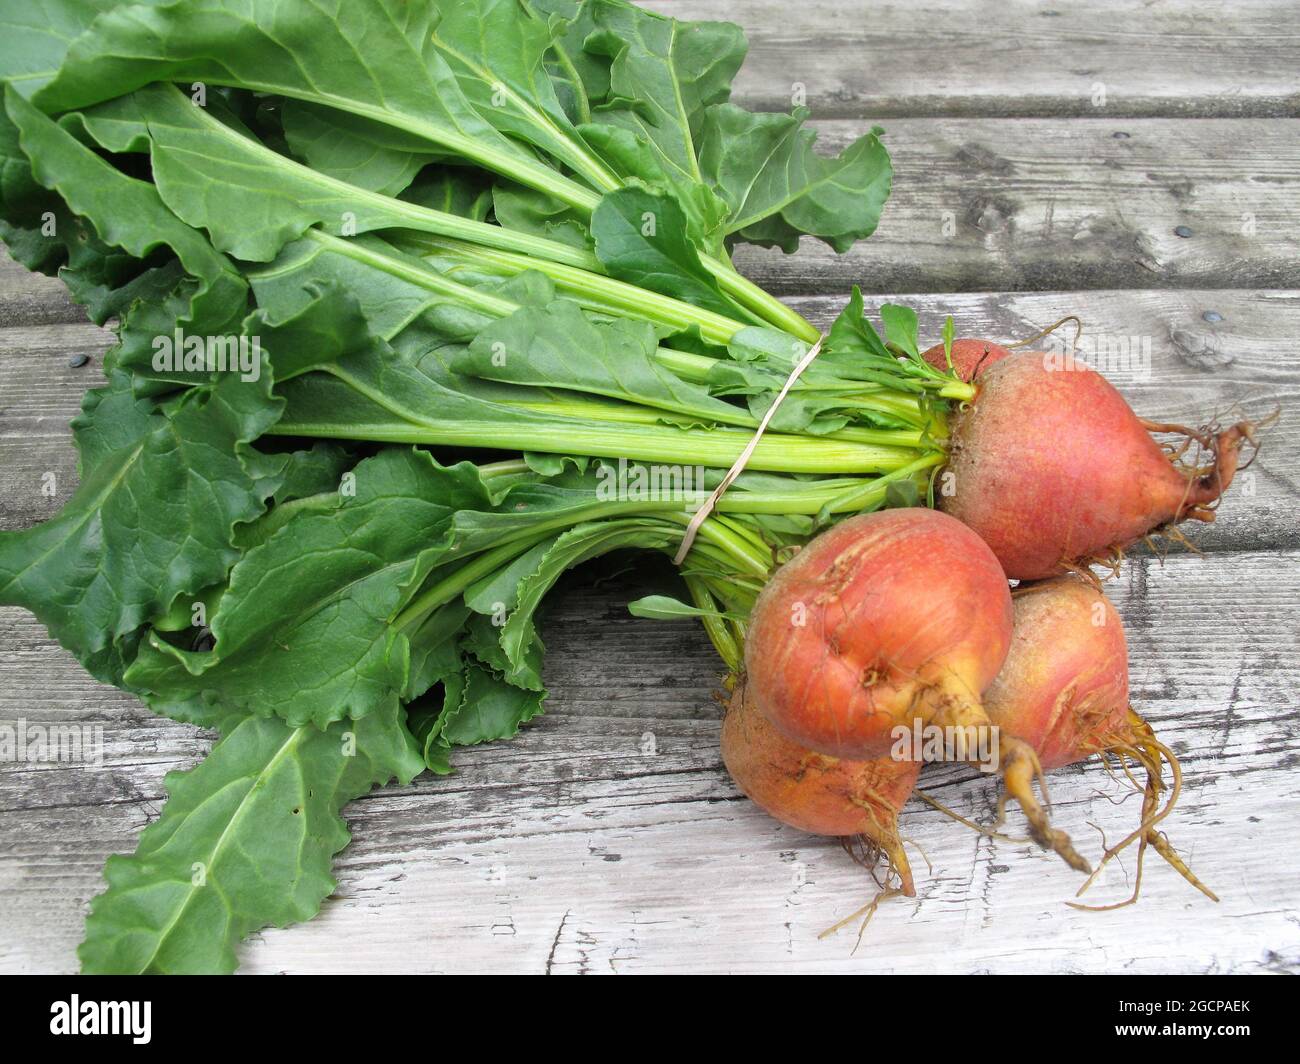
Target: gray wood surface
[(859, 58), (1057, 204), (572, 849)]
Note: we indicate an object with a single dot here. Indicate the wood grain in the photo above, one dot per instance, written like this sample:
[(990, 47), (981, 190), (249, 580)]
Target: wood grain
[(1038, 204), (607, 838), (970, 58)]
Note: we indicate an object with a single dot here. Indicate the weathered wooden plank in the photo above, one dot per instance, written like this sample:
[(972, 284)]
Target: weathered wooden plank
[(607, 838), (28, 298), (1157, 346), (863, 58), (1006, 204)]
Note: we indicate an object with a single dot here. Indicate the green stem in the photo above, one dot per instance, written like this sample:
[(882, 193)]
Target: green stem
[(446, 589), (510, 467), (519, 167), (766, 306), (743, 555), (538, 176), (715, 627), (605, 293), (717, 448)]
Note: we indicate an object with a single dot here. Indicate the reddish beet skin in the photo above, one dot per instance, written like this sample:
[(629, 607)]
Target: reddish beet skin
[(814, 792), (883, 619), (1064, 686), (1053, 469), (969, 357)]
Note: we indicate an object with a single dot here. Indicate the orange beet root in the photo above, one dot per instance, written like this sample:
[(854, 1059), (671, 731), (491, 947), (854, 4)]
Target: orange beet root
[(888, 621), (1064, 690), (886, 618), (1054, 471), (1064, 685), (816, 793)]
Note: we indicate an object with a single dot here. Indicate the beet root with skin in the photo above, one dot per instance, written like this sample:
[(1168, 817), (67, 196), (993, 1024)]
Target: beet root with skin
[(1054, 470), (886, 618), (1064, 689), (969, 357), (886, 621), (855, 800), (1064, 685)]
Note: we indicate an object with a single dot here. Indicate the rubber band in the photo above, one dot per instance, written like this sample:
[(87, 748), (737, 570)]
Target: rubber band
[(738, 466)]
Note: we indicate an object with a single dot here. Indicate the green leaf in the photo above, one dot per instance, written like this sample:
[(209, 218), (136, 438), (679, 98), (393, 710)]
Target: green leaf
[(581, 79), (245, 841), (664, 74), (354, 150), (489, 709), (902, 494), (518, 636), (153, 517), (259, 200), (477, 707), (666, 608), (498, 49), (304, 629), (35, 35), (851, 336), (308, 52), (777, 186), (530, 211), (643, 238), (901, 327), (559, 346), (385, 282), (452, 191), (706, 212), (126, 214)]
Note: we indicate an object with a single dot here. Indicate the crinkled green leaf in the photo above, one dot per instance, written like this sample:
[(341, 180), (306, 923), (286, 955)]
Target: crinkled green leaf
[(128, 214), (777, 186), (489, 709), (245, 841), (305, 629), (153, 517)]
